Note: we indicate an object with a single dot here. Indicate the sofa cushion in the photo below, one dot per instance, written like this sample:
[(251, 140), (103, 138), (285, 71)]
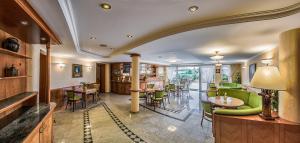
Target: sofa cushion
[(244, 107), (254, 100), (236, 112)]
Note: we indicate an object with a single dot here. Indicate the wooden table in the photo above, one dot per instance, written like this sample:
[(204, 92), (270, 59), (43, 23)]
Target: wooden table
[(231, 102), (85, 93)]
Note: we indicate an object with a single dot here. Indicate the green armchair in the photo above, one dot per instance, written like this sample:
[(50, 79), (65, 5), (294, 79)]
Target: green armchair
[(252, 103)]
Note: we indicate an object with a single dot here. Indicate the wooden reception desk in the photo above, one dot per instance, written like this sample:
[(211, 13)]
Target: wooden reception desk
[(123, 88), (253, 129)]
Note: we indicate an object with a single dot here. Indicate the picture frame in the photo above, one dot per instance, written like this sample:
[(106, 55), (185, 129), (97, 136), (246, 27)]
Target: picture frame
[(252, 69), (76, 71)]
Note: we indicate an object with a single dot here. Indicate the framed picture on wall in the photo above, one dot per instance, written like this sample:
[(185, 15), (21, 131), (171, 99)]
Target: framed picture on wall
[(76, 71), (252, 69)]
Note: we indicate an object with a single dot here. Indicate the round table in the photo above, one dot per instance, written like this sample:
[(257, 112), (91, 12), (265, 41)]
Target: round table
[(231, 102)]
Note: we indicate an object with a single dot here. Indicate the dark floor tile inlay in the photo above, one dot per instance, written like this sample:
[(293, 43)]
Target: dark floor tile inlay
[(135, 138), (87, 134)]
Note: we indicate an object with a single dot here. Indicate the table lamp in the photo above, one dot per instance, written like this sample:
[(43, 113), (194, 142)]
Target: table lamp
[(267, 79)]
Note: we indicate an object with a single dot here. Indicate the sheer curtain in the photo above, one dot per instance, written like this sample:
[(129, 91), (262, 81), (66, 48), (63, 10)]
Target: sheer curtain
[(207, 76)]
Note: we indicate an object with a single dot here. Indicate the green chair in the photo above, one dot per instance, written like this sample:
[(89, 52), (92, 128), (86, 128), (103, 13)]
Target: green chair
[(72, 98), (212, 85), (252, 103), (158, 98), (207, 106), (172, 88), (150, 86), (230, 85), (143, 95), (167, 93)]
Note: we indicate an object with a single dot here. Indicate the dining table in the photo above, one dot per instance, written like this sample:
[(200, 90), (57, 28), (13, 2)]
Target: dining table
[(85, 93), (228, 102)]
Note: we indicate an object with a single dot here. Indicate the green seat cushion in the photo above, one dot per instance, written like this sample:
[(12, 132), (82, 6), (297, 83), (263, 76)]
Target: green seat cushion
[(237, 112), (76, 97), (157, 99), (244, 107)]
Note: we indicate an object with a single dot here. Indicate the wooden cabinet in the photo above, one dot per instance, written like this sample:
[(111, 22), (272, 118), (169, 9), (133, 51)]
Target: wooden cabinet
[(43, 133), (253, 129)]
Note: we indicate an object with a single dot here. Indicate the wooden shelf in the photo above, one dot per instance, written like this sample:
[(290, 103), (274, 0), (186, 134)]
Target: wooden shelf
[(13, 77), (13, 101), (4, 51)]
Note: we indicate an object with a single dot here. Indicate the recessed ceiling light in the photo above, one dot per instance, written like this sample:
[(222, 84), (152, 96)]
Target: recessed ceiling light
[(24, 22), (103, 45), (92, 38), (105, 6), (129, 36), (193, 8), (43, 38)]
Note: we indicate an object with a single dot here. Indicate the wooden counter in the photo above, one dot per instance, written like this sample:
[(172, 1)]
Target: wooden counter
[(253, 129), (123, 88)]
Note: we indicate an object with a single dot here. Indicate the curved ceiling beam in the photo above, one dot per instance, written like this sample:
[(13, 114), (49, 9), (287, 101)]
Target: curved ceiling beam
[(239, 18)]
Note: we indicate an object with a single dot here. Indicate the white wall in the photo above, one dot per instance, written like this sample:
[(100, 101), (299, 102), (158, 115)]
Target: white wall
[(62, 76)]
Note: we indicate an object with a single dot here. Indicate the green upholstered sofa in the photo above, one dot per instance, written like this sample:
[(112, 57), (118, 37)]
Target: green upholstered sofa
[(252, 102), (230, 85)]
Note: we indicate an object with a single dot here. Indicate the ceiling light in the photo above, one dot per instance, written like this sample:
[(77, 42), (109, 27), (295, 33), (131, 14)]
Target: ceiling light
[(217, 56), (24, 22), (173, 61), (193, 8), (129, 36), (105, 6), (92, 38)]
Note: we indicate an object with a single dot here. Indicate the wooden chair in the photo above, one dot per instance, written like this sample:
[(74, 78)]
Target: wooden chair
[(207, 106), (72, 99), (97, 86)]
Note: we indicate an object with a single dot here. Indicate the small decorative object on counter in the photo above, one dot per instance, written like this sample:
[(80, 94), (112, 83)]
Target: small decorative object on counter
[(11, 44), (11, 71)]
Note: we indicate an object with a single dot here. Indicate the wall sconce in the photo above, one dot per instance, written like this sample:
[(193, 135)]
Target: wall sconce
[(89, 68), (267, 62), (61, 65)]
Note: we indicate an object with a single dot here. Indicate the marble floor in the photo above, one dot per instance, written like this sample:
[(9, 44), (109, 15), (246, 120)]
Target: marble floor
[(109, 121)]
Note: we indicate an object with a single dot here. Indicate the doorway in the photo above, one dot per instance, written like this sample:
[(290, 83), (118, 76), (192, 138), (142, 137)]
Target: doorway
[(100, 76)]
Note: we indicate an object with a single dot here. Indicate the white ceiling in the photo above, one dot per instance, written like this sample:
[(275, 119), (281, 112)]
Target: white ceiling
[(237, 42)]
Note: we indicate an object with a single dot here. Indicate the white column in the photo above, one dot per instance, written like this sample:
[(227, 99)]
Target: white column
[(135, 82), (289, 66)]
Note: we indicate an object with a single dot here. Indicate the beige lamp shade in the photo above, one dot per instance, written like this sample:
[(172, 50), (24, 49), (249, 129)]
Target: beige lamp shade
[(268, 77)]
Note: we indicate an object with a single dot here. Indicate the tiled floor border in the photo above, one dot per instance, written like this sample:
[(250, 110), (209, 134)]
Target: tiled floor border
[(183, 120), (135, 138), (87, 134)]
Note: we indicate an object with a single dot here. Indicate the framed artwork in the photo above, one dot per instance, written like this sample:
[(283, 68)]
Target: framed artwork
[(76, 71), (252, 69)]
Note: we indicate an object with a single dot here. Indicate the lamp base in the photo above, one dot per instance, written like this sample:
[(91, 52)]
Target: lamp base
[(266, 117)]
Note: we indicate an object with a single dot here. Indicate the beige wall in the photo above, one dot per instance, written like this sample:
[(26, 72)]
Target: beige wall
[(62, 77), (272, 54)]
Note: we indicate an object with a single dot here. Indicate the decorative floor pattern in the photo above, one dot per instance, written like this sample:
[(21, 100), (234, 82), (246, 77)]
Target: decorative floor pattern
[(135, 138), (87, 135), (167, 115), (177, 111)]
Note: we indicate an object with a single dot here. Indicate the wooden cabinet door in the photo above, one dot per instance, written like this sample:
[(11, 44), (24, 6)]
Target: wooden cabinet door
[(46, 131), (34, 137)]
